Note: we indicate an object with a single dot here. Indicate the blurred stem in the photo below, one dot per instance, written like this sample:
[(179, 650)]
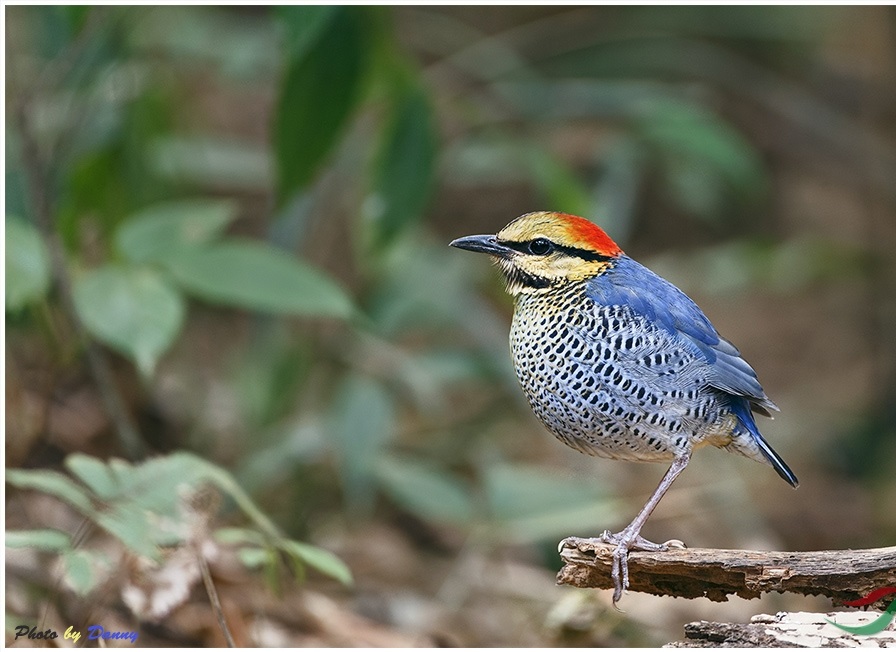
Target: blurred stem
[(213, 597), (37, 182), (54, 331)]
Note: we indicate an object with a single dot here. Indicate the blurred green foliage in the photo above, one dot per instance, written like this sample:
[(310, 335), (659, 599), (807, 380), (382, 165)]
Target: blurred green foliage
[(149, 507), (321, 86), (27, 264)]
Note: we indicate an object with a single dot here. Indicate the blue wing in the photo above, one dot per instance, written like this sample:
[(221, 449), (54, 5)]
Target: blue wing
[(628, 283)]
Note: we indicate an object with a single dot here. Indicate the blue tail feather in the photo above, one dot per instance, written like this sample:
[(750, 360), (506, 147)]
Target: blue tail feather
[(741, 408)]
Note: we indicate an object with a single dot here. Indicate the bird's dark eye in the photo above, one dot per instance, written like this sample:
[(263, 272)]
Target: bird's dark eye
[(541, 247)]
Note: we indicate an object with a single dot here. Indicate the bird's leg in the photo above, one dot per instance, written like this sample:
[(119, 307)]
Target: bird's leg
[(630, 538)]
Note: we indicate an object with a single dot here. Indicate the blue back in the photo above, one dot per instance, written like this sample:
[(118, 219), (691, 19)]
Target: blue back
[(629, 283)]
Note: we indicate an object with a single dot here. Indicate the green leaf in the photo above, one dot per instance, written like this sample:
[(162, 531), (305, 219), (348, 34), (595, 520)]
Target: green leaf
[(134, 527), (155, 231), (135, 311), (238, 536), (253, 558), (141, 504), (403, 179), (362, 422), (425, 490), (49, 540), (304, 24), (319, 559), (54, 484), (143, 507), (250, 275), (318, 94), (155, 485), (27, 264), (311, 555), (79, 570), (95, 473)]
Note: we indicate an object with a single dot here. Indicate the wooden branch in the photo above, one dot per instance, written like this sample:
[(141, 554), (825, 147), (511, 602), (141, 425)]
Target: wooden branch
[(715, 574), (790, 630)]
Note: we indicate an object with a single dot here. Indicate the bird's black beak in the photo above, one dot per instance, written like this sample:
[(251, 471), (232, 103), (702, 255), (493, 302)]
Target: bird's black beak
[(486, 244)]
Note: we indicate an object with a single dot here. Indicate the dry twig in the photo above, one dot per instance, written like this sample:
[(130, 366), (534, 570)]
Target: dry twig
[(715, 574)]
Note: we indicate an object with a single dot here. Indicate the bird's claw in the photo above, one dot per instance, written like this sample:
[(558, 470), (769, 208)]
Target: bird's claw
[(623, 543)]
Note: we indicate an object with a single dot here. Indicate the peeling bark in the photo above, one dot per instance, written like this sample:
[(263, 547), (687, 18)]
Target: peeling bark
[(841, 575)]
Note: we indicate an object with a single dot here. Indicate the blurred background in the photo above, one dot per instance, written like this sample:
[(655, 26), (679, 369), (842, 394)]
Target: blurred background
[(226, 251)]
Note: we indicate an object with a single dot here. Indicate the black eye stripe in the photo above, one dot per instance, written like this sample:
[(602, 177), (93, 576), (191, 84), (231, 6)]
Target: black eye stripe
[(525, 247)]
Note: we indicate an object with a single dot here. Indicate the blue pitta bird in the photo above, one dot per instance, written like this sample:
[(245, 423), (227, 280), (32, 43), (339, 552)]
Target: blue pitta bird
[(617, 362)]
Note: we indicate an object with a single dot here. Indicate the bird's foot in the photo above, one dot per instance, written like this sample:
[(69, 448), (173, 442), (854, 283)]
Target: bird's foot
[(622, 543)]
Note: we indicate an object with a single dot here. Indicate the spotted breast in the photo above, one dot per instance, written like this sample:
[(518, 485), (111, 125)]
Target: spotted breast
[(614, 383)]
